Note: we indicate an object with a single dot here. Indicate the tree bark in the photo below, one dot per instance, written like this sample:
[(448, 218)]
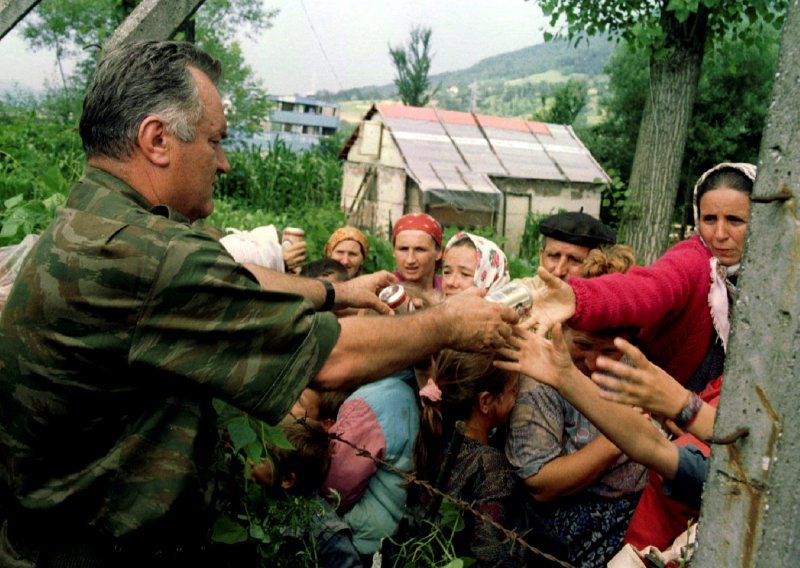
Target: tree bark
[(655, 174)]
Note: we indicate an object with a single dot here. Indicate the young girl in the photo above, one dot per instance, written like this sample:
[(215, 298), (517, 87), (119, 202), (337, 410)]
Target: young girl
[(467, 387), (470, 260)]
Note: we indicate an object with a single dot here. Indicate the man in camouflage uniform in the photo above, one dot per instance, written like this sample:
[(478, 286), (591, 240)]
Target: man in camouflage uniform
[(125, 321)]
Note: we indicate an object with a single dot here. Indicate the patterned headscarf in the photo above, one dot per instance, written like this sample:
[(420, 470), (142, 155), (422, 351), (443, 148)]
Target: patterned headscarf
[(419, 222), (346, 234), (491, 265), (720, 295)]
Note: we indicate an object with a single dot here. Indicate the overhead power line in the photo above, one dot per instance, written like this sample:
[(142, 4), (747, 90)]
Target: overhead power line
[(321, 47)]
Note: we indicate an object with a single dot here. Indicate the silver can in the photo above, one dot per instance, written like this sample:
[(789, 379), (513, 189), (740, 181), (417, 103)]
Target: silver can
[(396, 297), (515, 295)]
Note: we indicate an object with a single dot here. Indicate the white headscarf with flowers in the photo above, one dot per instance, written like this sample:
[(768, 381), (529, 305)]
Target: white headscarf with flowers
[(720, 295), (491, 265)]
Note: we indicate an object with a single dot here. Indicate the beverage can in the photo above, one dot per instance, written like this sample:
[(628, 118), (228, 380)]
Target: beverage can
[(292, 235), (514, 295), (396, 297)]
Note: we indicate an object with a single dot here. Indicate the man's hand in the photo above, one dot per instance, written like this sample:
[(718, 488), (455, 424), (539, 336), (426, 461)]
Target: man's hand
[(546, 361), (294, 255), (554, 303), (645, 385), (362, 292), (475, 324)]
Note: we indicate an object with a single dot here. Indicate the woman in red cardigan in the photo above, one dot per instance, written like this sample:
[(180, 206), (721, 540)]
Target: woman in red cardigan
[(681, 302)]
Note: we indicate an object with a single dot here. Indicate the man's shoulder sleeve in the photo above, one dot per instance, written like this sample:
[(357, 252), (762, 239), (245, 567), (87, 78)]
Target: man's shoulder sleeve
[(207, 320)]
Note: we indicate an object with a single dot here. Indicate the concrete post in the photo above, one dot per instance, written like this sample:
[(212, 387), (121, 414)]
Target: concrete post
[(751, 505), (153, 19), (11, 12)]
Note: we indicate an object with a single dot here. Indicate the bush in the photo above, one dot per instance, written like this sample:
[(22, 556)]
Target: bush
[(40, 156)]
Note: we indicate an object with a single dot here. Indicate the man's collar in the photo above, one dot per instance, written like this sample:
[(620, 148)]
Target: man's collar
[(106, 179)]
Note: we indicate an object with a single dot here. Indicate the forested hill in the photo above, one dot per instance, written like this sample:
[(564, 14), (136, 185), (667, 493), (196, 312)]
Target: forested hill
[(551, 56), (524, 73)]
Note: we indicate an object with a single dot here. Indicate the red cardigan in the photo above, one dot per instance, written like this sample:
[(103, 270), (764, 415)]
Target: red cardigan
[(668, 300)]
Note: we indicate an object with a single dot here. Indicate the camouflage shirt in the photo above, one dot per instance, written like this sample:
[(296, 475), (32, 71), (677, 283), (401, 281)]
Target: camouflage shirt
[(122, 325)]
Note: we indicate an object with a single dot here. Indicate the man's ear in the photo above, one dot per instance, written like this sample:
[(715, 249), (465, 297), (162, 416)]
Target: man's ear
[(154, 141), (288, 481)]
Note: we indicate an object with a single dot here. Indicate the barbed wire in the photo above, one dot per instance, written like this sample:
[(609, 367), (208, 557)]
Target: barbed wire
[(510, 535)]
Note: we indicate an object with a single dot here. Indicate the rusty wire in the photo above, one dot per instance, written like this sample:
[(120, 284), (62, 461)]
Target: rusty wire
[(509, 534)]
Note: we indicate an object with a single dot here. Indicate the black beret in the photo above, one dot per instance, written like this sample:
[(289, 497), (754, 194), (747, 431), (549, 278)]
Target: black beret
[(577, 228)]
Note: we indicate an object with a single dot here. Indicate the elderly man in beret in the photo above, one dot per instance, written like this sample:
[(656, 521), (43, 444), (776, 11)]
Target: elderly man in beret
[(567, 240)]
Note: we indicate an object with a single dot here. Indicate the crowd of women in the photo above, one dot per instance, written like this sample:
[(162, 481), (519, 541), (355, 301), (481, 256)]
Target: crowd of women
[(584, 433)]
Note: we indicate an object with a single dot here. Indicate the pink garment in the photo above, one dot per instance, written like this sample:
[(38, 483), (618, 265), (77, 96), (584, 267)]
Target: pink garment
[(668, 300), (350, 473)]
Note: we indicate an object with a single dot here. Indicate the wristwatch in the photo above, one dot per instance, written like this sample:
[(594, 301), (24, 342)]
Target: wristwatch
[(330, 296)]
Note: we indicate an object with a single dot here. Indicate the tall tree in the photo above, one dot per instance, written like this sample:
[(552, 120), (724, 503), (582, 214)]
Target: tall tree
[(674, 33), (413, 65), (727, 120), (77, 28)]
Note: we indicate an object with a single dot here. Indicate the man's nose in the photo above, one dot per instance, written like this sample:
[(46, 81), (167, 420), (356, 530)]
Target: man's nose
[(223, 166), (561, 268)]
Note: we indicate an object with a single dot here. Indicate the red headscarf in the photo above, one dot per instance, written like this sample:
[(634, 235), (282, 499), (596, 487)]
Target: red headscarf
[(419, 222)]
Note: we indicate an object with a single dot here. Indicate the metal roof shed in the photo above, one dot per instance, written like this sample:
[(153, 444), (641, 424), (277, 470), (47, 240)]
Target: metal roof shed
[(465, 169)]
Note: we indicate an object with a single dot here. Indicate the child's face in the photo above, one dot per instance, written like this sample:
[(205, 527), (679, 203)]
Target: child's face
[(264, 472), (459, 269), (505, 401), (585, 347), (307, 406)]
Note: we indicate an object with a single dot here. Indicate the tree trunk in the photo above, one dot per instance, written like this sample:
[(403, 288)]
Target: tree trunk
[(655, 174), (751, 501)]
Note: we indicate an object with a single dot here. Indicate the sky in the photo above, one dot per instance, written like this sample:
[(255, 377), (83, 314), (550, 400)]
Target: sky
[(339, 44)]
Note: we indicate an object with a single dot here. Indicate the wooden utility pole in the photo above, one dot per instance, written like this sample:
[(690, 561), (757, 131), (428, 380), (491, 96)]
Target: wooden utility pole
[(751, 505)]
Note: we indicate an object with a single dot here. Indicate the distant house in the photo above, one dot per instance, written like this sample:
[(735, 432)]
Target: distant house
[(464, 169), (299, 122)]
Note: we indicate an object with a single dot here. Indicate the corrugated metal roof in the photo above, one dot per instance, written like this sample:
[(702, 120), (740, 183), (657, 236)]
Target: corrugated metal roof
[(565, 149), (449, 151)]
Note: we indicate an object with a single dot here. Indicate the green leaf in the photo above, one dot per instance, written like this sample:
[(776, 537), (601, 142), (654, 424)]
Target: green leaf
[(9, 230), (275, 436), (455, 563), (228, 531), (257, 532), (254, 451), (53, 180), (14, 201), (241, 432), (451, 515), (548, 36)]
